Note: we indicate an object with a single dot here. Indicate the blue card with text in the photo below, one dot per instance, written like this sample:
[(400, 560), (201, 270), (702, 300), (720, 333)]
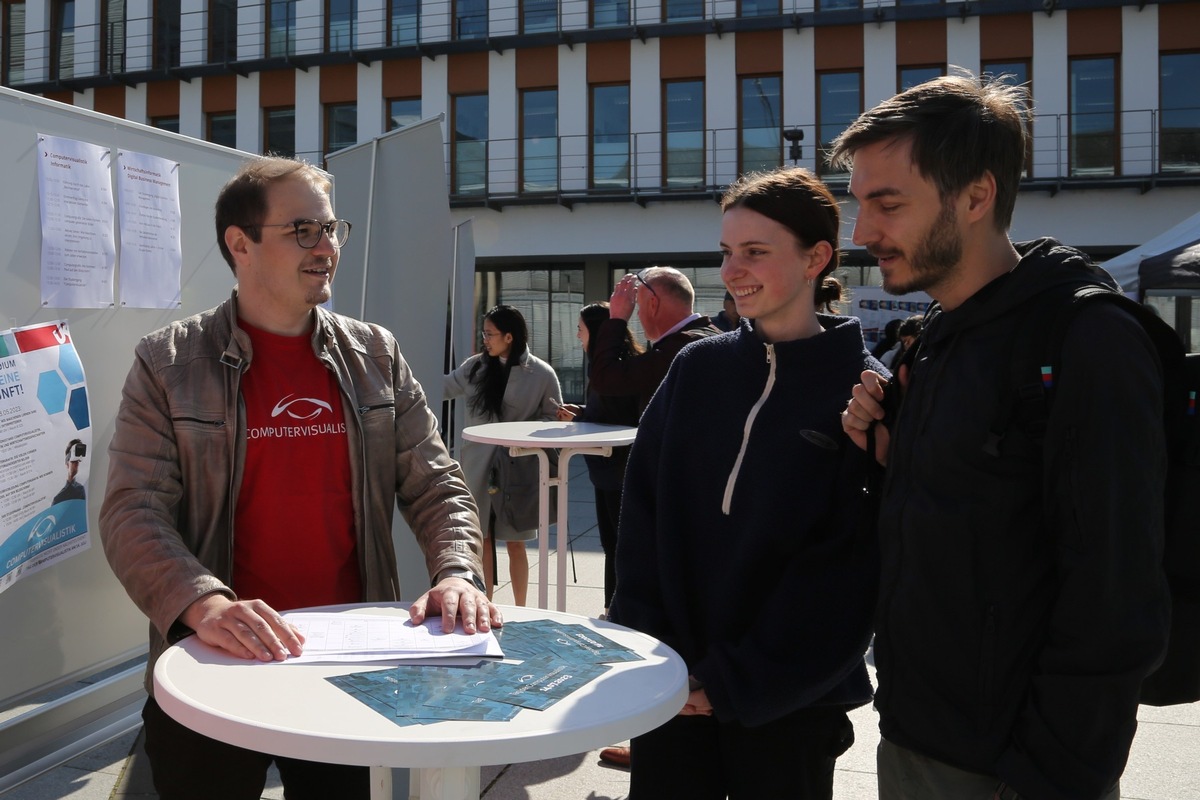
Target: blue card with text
[(536, 683)]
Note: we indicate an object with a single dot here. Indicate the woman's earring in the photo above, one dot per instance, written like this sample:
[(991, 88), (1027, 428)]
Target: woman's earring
[(810, 283)]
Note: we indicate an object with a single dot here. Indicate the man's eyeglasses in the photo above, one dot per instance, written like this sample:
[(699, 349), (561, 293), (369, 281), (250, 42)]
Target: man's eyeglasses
[(645, 283), (308, 231)]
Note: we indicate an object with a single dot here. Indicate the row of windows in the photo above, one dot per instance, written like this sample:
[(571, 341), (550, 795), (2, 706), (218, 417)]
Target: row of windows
[(286, 33), (1094, 125), (279, 125), (685, 147)]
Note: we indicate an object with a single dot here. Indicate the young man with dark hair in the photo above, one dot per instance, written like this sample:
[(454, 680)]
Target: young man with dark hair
[(1022, 598)]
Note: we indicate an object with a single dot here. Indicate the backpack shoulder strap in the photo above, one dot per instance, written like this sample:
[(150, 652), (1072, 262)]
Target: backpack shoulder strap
[(1166, 342), (1035, 354), (1042, 320)]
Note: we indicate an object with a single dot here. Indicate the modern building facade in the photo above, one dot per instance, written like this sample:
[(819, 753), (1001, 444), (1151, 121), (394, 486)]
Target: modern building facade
[(589, 137)]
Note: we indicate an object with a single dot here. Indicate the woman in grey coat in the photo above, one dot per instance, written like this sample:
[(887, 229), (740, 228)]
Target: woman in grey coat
[(504, 383)]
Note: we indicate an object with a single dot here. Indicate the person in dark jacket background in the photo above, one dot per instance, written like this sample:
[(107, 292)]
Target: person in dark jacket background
[(744, 543), (1023, 599), (727, 318), (664, 299), (906, 336), (891, 336), (606, 474)]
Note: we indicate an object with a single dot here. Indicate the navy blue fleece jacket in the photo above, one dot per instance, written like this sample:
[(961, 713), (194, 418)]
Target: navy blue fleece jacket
[(744, 541)]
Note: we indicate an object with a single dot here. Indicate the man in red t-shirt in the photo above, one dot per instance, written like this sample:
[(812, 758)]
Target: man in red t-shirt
[(259, 451)]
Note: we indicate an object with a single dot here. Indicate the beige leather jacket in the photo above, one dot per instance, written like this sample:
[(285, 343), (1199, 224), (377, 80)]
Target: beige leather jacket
[(176, 458)]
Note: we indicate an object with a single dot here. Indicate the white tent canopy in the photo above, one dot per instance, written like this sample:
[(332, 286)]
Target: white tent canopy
[(1125, 266)]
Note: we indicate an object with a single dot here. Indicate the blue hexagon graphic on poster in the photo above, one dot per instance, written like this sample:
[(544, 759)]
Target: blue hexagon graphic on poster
[(52, 392), (70, 366), (77, 408)]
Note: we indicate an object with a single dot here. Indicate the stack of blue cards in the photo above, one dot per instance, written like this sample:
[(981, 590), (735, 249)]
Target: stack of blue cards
[(556, 659)]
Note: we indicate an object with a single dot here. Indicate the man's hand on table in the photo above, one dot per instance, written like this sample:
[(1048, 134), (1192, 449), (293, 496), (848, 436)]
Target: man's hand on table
[(244, 628), (457, 598)]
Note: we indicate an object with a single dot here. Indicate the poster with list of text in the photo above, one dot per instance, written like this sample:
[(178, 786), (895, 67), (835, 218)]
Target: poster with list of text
[(79, 251)]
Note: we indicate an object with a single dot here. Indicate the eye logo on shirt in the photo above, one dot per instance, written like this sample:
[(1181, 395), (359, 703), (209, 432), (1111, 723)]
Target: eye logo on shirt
[(300, 407)]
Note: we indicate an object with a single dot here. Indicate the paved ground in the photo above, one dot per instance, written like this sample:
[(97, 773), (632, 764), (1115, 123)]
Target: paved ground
[(1164, 764)]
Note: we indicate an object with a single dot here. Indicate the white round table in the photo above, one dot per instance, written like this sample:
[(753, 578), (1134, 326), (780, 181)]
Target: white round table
[(291, 710), (569, 438)]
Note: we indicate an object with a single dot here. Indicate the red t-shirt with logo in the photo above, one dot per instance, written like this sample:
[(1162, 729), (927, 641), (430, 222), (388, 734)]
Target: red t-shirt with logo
[(294, 542)]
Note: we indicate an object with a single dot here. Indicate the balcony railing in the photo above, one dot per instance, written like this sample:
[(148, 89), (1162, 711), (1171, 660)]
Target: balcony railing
[(566, 170), (1137, 147), (570, 169)]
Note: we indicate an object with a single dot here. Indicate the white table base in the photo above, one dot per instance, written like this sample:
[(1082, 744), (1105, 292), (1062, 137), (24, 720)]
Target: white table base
[(381, 783), (429, 783), (568, 438), (562, 535)]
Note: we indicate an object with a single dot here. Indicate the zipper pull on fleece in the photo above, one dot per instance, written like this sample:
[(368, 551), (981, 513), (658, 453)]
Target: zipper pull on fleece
[(731, 482)]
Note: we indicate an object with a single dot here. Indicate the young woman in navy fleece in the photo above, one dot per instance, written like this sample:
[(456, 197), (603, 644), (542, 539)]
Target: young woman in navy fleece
[(744, 541)]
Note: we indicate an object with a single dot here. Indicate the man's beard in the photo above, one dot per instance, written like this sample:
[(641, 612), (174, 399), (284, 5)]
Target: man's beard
[(934, 258)]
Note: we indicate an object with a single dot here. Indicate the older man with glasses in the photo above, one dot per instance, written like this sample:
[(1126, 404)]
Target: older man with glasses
[(664, 298), (299, 429)]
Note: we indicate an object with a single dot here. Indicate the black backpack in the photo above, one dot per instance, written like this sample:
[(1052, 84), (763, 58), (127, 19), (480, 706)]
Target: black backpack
[(1036, 356)]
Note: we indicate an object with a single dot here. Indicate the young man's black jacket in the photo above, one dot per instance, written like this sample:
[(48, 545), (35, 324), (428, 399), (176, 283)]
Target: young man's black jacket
[(1022, 597)]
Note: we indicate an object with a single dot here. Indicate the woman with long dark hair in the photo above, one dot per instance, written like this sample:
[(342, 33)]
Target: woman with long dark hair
[(745, 543), (504, 383), (607, 474)]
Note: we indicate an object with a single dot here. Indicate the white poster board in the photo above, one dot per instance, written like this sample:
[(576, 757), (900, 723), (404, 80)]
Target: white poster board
[(72, 618), (398, 271)]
